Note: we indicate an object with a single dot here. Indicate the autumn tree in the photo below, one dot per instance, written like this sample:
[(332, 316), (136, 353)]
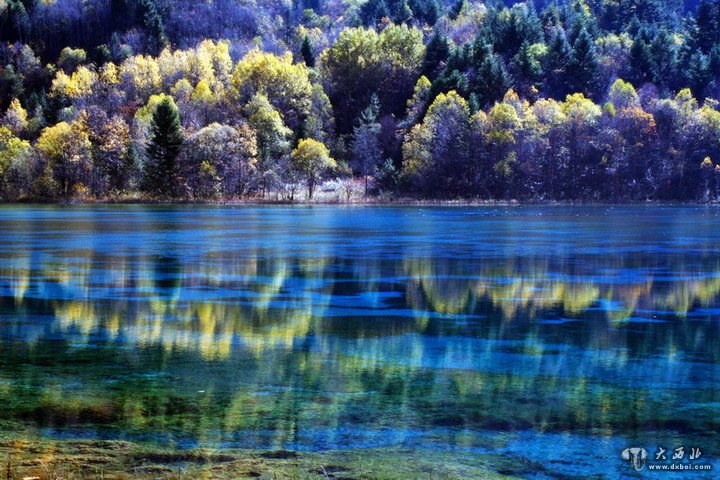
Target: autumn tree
[(311, 159), (435, 153), (220, 160), (66, 151), (285, 84), (362, 62), (15, 170), (273, 141)]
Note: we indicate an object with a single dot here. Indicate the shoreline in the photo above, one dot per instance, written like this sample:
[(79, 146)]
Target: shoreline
[(370, 202)]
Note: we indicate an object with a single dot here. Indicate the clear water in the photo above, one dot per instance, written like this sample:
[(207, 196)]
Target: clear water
[(555, 335)]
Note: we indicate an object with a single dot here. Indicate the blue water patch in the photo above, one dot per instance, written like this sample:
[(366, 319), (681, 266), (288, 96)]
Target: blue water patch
[(553, 336)]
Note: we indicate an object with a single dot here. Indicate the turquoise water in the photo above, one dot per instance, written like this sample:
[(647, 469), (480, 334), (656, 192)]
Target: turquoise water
[(554, 335)]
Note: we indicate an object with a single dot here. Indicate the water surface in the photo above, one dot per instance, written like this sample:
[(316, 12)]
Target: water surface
[(556, 335)]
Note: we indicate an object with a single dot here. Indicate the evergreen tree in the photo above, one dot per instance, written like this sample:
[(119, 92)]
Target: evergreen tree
[(584, 65), (404, 14), (492, 80), (473, 103), (460, 58), (455, 9), (437, 51), (427, 11), (714, 62), (550, 16), (527, 64), (665, 59), (153, 23), (532, 25), (448, 81), (557, 60), (707, 22), (373, 11), (161, 170), (641, 61), (307, 53), (366, 149), (697, 74)]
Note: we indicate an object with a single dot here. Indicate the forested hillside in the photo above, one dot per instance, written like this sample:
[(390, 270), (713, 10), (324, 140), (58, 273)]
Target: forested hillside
[(570, 100)]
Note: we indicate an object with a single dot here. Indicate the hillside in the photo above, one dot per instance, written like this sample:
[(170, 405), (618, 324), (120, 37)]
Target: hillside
[(578, 100)]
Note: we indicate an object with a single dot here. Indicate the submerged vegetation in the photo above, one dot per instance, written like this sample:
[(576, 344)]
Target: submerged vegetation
[(116, 460), (566, 100)]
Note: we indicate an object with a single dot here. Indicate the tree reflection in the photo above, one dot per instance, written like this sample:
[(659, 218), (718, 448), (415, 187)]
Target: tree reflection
[(271, 345)]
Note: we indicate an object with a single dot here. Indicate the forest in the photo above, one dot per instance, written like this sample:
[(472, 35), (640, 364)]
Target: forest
[(576, 100)]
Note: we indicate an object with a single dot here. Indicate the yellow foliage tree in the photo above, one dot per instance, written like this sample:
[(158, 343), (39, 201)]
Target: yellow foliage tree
[(67, 149), (311, 159), (286, 85)]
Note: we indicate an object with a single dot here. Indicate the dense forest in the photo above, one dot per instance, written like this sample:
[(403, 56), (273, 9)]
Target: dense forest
[(548, 100)]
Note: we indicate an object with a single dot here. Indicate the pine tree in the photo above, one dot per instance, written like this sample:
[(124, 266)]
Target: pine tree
[(436, 52), (697, 74), (404, 14), (528, 66), (153, 23), (557, 60), (455, 9), (161, 170), (449, 81), (641, 61), (481, 49), (492, 80), (708, 25), (533, 27), (373, 11), (426, 11), (584, 66), (665, 58), (460, 58), (714, 61), (560, 52), (367, 152), (307, 52), (473, 104)]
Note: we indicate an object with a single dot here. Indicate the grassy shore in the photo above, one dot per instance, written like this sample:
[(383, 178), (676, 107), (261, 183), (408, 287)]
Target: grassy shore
[(107, 460), (379, 201)]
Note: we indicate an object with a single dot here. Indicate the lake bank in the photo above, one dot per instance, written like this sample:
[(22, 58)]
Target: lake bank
[(358, 202)]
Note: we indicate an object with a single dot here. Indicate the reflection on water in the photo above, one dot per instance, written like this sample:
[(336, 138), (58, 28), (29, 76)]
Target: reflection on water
[(485, 329)]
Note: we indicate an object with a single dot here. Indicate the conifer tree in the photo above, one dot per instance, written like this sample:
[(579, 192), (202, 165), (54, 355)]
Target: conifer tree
[(307, 52), (161, 170), (556, 63), (493, 79), (455, 9), (367, 153), (437, 51), (584, 65), (527, 64), (641, 60)]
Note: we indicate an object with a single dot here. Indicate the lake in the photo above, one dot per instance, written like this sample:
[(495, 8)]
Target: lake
[(555, 336)]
